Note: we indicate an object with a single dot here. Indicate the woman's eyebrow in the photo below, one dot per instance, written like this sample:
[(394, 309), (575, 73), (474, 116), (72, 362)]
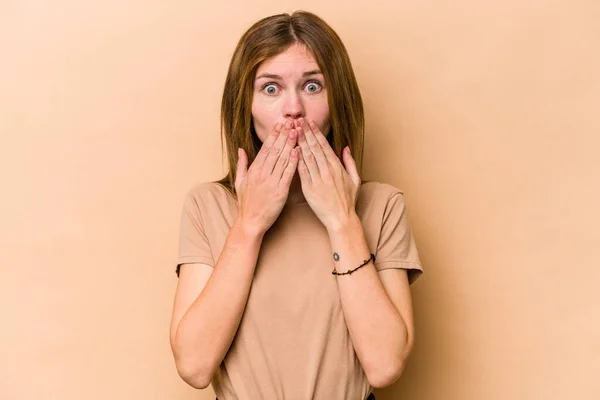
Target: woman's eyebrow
[(274, 76)]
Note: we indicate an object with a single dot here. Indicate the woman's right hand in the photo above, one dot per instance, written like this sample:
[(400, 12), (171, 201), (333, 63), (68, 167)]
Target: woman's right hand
[(262, 190)]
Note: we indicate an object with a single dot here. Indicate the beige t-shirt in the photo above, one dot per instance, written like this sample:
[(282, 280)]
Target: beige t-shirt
[(293, 342)]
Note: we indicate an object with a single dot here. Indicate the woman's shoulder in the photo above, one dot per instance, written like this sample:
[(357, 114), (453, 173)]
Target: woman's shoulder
[(372, 190), (210, 193)]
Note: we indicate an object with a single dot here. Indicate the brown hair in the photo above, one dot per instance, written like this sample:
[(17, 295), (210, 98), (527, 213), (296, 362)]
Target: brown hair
[(267, 38)]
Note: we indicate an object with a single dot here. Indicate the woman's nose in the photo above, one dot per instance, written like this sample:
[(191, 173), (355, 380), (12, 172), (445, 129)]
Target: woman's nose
[(293, 107)]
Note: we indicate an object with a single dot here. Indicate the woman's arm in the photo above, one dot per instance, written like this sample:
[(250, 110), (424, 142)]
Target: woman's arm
[(377, 307), (209, 304)]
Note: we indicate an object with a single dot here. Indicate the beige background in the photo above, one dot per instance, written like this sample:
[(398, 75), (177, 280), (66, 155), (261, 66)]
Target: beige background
[(485, 113)]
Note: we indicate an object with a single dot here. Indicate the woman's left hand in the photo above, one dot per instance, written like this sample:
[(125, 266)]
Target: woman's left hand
[(330, 189)]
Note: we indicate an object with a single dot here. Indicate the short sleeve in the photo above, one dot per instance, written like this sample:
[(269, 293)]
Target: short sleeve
[(194, 246), (396, 247)]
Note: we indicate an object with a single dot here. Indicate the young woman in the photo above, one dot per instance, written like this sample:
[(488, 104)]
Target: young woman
[(293, 273)]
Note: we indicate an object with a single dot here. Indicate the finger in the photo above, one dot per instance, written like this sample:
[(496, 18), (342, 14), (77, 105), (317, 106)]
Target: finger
[(303, 171), (350, 165), (290, 169), (315, 146), (260, 158), (284, 159), (334, 161), (307, 156), (275, 151)]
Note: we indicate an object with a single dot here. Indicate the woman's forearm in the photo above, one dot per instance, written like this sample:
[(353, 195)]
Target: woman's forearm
[(378, 332), (207, 329)]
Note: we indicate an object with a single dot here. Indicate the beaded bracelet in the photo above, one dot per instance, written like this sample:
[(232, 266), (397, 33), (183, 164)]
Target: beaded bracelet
[(336, 257)]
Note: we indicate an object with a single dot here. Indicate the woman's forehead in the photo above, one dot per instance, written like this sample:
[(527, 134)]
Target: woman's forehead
[(296, 59)]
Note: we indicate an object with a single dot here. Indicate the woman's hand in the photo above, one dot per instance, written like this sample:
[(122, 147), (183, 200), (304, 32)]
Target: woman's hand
[(330, 189), (262, 190)]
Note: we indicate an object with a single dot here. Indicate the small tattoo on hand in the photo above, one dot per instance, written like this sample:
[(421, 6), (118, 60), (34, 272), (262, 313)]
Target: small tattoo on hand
[(336, 256)]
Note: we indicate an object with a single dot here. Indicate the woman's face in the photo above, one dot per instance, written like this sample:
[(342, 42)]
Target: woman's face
[(286, 87)]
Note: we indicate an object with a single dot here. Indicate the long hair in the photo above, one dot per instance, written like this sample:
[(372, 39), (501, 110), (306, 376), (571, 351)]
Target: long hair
[(267, 38)]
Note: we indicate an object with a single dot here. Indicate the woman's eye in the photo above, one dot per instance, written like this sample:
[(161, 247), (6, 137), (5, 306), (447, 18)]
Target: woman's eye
[(313, 87), (270, 89)]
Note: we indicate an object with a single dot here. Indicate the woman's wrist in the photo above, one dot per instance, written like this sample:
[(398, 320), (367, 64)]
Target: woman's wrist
[(249, 230), (348, 221)]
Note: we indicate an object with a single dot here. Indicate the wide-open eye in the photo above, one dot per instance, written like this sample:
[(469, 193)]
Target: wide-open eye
[(313, 86), (270, 88)]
